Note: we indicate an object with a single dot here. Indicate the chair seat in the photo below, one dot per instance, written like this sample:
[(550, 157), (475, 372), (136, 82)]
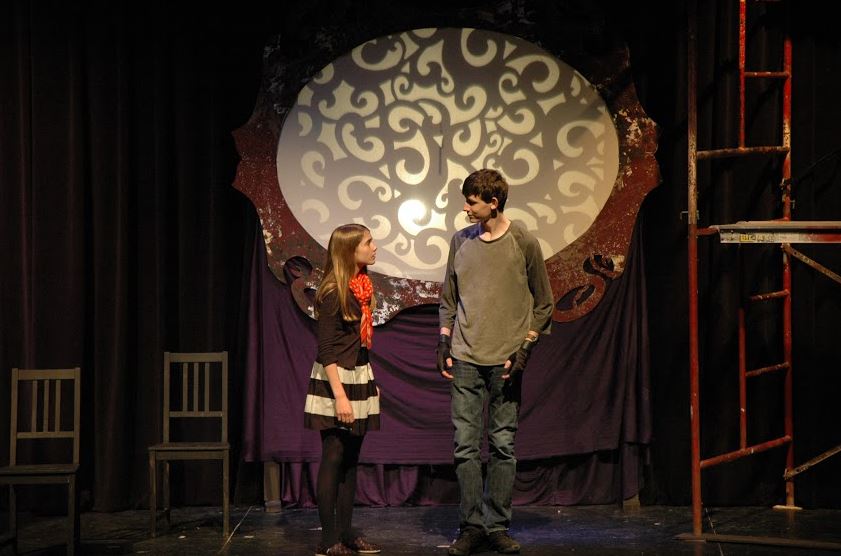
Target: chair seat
[(49, 469), (190, 446)]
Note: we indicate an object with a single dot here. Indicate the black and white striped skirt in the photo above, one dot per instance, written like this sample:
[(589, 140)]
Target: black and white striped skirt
[(361, 390)]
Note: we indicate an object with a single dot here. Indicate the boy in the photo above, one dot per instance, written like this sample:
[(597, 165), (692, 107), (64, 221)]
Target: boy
[(495, 301)]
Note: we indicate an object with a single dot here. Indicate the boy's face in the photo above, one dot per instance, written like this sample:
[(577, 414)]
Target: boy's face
[(478, 210)]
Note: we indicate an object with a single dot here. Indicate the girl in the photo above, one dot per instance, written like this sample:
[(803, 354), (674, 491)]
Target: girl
[(342, 399)]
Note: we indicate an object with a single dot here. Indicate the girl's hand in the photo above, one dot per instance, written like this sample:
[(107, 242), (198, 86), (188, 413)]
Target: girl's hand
[(344, 411)]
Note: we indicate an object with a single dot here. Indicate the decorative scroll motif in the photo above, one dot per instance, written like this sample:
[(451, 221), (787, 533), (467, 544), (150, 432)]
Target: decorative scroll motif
[(385, 135), (388, 143)]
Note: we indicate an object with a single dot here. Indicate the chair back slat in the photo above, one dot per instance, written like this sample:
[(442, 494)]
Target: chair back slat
[(184, 383), (206, 404), (57, 423), (41, 382), (33, 411), (46, 423), (195, 387), (196, 368)]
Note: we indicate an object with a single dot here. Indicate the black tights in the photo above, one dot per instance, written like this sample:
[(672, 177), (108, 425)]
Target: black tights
[(337, 484)]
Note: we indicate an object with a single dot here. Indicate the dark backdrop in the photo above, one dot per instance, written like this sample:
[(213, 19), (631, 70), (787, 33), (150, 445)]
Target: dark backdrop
[(121, 236)]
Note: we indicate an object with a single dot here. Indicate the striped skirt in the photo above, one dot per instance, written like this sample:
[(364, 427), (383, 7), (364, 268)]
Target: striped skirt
[(361, 390)]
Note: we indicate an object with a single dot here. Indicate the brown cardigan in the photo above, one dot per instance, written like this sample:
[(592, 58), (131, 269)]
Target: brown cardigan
[(338, 339)]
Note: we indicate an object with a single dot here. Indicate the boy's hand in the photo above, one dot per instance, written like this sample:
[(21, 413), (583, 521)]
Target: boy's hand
[(518, 360), (445, 362)]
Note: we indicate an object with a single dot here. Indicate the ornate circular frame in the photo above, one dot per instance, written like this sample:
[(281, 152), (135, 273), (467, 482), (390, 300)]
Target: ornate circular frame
[(579, 274)]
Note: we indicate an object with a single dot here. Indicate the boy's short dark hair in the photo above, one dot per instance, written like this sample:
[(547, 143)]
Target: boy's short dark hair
[(486, 184)]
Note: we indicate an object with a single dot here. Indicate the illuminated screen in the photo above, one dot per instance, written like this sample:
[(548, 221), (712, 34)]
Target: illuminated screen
[(385, 135)]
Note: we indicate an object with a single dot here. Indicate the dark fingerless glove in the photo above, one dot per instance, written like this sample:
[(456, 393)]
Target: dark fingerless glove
[(520, 358), (443, 351)]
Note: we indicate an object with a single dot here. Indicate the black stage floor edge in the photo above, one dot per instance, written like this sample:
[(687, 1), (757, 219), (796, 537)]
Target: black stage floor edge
[(542, 530)]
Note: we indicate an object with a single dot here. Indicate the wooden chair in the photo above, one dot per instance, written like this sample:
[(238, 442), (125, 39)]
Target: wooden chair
[(44, 386), (197, 385)]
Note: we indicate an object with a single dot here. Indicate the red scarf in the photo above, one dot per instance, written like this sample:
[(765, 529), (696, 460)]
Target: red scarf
[(362, 290)]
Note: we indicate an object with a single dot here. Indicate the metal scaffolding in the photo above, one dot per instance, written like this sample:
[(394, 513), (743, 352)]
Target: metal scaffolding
[(783, 231)]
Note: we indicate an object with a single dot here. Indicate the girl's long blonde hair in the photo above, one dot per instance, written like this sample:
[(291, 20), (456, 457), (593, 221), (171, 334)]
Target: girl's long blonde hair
[(341, 267)]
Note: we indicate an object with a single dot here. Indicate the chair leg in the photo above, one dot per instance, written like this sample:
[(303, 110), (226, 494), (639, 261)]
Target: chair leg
[(226, 506), (13, 518), (72, 517), (166, 493), (153, 493)]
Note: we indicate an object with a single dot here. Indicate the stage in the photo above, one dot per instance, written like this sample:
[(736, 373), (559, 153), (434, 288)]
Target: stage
[(542, 530), (154, 200)]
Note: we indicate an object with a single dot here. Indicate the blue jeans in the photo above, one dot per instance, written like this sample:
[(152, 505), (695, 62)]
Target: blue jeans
[(483, 508)]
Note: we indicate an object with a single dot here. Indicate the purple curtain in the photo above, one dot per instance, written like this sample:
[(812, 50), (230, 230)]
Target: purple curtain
[(584, 421)]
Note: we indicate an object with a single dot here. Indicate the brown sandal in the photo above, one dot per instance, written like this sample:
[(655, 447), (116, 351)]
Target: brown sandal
[(338, 549), (362, 546)]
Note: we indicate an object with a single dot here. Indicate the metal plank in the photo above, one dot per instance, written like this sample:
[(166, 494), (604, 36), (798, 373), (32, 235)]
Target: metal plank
[(767, 541), (780, 231)]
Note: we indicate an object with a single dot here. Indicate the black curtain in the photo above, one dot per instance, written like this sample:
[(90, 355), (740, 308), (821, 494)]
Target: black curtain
[(121, 237), (121, 234)]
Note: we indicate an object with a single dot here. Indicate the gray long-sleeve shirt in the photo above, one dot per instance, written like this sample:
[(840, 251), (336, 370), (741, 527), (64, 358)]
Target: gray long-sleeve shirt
[(494, 292)]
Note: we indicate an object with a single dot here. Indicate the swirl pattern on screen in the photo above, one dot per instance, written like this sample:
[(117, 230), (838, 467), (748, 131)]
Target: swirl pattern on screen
[(385, 135)]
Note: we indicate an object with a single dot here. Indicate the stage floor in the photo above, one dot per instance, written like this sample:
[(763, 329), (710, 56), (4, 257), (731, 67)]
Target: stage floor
[(542, 530)]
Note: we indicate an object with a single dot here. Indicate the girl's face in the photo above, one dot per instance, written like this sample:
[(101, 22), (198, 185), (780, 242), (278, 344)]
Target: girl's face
[(366, 251)]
